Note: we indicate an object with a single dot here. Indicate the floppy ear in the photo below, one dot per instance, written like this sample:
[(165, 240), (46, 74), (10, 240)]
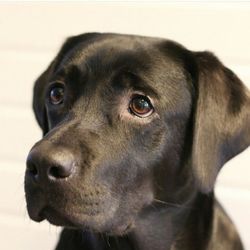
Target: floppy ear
[(221, 120)]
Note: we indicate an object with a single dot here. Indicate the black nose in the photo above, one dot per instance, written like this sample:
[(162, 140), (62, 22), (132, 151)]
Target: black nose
[(48, 162)]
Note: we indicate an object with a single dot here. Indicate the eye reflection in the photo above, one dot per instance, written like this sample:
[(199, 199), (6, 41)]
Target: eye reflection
[(56, 95), (140, 106)]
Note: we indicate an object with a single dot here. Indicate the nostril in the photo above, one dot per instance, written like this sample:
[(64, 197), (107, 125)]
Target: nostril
[(55, 172), (32, 170), (59, 172)]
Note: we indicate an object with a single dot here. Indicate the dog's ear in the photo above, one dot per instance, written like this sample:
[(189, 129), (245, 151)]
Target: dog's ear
[(221, 119)]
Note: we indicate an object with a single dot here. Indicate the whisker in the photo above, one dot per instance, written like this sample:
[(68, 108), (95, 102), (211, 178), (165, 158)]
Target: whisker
[(172, 204)]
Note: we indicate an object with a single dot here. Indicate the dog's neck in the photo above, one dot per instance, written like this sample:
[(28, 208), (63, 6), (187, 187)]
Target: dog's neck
[(161, 228), (154, 230), (167, 229)]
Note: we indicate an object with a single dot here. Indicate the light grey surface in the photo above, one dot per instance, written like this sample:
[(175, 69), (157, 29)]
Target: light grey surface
[(30, 35)]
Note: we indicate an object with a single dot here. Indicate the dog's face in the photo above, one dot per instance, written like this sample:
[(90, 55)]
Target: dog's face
[(121, 118)]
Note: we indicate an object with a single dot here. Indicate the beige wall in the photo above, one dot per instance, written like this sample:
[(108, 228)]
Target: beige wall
[(30, 34)]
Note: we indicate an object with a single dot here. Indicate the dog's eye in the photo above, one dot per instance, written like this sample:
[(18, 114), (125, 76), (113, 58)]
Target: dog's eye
[(56, 95), (140, 106)]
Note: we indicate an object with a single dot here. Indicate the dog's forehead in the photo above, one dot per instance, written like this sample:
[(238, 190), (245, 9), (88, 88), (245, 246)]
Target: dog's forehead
[(111, 51), (148, 58)]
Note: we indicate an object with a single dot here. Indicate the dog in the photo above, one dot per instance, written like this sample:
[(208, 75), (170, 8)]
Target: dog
[(135, 131)]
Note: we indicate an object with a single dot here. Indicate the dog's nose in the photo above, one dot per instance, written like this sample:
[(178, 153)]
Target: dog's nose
[(51, 163)]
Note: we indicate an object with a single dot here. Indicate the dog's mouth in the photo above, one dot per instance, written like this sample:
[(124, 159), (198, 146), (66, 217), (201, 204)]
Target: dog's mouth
[(55, 217), (96, 222), (98, 210), (86, 222), (97, 216)]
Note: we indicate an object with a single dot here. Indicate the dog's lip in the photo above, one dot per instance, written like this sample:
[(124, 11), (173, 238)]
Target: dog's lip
[(56, 217), (37, 217)]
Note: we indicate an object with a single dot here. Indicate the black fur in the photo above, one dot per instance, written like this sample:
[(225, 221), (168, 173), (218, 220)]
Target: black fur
[(117, 181)]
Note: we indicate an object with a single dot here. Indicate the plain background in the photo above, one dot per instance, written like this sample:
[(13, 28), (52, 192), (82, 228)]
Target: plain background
[(31, 34)]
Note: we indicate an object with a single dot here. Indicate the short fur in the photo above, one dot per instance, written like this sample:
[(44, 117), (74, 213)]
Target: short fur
[(136, 183)]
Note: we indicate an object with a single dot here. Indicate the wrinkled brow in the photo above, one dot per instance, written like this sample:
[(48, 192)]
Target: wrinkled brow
[(125, 79)]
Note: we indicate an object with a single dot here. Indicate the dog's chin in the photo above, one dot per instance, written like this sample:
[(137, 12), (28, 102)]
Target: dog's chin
[(58, 219), (101, 222)]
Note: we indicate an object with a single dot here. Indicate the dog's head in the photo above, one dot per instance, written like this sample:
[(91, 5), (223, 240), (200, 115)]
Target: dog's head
[(129, 121)]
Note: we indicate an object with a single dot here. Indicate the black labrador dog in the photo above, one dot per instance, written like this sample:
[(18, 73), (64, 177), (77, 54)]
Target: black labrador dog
[(136, 130)]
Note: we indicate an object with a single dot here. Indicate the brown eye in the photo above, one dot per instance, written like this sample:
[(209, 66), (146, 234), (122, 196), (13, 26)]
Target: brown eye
[(56, 95), (141, 106)]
